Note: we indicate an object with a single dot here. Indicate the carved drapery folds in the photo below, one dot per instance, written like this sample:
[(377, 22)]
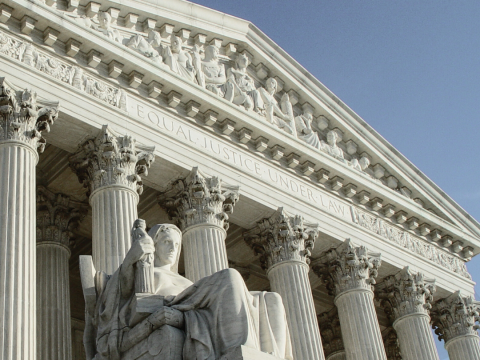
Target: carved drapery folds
[(405, 293), (57, 217), (331, 332), (110, 159), (198, 199), (347, 267), (456, 316), (24, 117), (282, 237)]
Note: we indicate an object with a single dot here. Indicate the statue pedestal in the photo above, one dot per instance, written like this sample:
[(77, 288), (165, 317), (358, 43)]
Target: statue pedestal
[(246, 353)]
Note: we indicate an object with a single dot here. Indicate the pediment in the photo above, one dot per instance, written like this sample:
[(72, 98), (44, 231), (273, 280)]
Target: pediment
[(128, 58)]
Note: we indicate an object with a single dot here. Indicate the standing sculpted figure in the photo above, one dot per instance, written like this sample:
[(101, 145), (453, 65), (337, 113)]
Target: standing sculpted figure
[(332, 148), (179, 60), (303, 124), (281, 116), (240, 86), (214, 73), (217, 313), (105, 21)]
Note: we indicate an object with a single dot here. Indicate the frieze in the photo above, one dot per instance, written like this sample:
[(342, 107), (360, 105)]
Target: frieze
[(29, 54), (408, 241)]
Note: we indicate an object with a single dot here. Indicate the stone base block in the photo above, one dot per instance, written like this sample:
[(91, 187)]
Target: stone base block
[(246, 353)]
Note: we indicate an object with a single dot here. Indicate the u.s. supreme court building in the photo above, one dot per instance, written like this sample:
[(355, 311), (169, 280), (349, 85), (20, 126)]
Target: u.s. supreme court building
[(171, 112)]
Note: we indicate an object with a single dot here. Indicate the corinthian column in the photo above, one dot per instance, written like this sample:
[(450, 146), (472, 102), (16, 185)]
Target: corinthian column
[(349, 273), (406, 298), (331, 335), (454, 319), (22, 119), (284, 243), (200, 205), (110, 166), (57, 216)]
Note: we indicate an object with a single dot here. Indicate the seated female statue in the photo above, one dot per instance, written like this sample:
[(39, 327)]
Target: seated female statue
[(219, 312)]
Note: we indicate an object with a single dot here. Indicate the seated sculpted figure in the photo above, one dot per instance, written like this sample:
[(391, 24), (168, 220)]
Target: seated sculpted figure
[(332, 148), (217, 312), (281, 116), (147, 47), (105, 22), (305, 132), (179, 60), (214, 73), (241, 87)]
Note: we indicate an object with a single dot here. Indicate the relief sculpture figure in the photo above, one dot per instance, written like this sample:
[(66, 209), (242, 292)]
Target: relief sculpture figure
[(303, 124), (331, 146), (105, 22), (241, 87), (214, 73), (147, 47), (179, 60), (200, 321), (281, 116)]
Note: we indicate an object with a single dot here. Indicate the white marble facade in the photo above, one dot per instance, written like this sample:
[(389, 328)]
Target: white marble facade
[(171, 192)]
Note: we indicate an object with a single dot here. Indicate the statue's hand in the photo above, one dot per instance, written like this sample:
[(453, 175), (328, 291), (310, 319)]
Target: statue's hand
[(140, 248)]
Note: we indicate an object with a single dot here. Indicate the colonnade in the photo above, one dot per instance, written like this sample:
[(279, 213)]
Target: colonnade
[(111, 166)]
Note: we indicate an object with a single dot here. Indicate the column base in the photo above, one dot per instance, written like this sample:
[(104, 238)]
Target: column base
[(246, 353)]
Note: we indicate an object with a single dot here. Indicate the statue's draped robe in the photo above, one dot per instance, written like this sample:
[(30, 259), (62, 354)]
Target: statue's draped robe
[(220, 314)]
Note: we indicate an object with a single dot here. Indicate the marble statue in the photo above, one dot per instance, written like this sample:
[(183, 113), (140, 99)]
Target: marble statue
[(218, 312), (241, 87), (303, 124), (331, 146), (105, 22), (214, 76), (281, 116), (179, 60), (147, 47), (360, 165)]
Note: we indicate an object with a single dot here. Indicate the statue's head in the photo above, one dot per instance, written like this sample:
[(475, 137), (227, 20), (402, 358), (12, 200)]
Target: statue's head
[(271, 85), (332, 137), (242, 61), (168, 241), (211, 53), (176, 44), (105, 19)]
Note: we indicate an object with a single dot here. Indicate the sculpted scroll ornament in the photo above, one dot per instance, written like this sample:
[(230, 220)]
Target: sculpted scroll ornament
[(408, 241), (347, 267), (199, 199), (23, 118), (110, 159), (28, 54), (57, 217), (405, 293), (455, 316), (282, 238)]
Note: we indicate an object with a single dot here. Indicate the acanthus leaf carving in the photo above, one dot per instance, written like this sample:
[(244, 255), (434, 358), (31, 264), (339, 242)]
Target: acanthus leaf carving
[(330, 332), (405, 293), (24, 117), (111, 159), (456, 315), (282, 237), (57, 217), (347, 267), (199, 199), (390, 341)]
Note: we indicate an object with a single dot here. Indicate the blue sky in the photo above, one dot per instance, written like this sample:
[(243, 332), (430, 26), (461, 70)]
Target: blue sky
[(411, 69)]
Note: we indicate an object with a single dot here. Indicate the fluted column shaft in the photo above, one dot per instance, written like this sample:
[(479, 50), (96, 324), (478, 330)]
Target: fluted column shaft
[(415, 337), (53, 302), (17, 252), (466, 347), (114, 209), (290, 280), (204, 251), (360, 329), (339, 355)]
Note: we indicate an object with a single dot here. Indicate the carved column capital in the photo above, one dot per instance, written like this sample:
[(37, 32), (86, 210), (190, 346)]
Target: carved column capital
[(390, 342), (198, 199), (330, 332), (23, 117), (347, 267), (455, 316), (111, 159), (57, 217), (282, 237), (406, 293)]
